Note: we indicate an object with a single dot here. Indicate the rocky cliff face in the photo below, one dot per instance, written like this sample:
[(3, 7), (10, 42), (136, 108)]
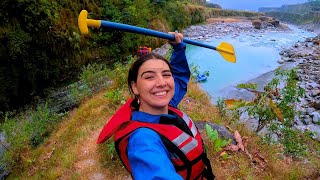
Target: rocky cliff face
[(307, 15), (296, 8), (313, 27)]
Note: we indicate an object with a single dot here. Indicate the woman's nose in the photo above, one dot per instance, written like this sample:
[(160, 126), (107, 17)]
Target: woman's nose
[(161, 81)]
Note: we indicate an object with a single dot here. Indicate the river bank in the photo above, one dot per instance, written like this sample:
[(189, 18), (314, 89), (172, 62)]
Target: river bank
[(218, 28), (302, 55), (305, 57)]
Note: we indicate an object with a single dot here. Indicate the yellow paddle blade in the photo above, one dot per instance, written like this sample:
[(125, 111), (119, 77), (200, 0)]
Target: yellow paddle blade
[(227, 52), (84, 23)]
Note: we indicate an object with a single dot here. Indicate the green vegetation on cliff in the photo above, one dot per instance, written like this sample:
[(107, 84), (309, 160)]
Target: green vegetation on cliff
[(298, 14), (41, 45)]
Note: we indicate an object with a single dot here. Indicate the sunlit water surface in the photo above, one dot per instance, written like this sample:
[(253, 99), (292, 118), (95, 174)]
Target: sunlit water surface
[(256, 54)]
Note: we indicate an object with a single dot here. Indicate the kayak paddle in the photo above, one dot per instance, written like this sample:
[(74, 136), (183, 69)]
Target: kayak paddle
[(225, 49)]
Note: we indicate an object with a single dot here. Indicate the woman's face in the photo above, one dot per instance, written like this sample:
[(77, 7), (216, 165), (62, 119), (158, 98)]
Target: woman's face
[(154, 86)]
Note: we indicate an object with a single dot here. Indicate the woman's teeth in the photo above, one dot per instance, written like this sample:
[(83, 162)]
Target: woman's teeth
[(160, 93)]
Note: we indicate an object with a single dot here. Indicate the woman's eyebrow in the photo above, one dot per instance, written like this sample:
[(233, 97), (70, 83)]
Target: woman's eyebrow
[(153, 72), (164, 71), (146, 72)]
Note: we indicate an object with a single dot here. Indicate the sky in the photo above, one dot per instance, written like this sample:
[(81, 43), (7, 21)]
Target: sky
[(253, 5)]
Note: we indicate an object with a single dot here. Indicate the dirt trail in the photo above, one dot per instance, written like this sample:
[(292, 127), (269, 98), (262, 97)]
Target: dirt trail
[(88, 164), (88, 160), (226, 20)]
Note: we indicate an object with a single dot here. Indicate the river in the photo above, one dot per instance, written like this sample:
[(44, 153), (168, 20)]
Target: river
[(256, 54)]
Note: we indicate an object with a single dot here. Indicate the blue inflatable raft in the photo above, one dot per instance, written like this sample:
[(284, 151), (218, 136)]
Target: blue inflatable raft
[(201, 78)]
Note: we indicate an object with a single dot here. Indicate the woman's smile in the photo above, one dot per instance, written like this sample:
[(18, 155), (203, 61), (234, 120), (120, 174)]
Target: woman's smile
[(161, 93)]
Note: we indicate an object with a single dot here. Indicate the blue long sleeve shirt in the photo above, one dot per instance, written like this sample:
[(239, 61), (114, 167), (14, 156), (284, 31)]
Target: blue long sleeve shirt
[(180, 71), (148, 156)]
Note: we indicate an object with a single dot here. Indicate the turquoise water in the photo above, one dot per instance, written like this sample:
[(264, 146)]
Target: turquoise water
[(256, 54)]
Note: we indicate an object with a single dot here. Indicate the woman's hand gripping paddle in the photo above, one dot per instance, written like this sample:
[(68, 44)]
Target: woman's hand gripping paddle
[(225, 49)]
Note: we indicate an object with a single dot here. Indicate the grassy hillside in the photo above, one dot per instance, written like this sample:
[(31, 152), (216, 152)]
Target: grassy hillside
[(68, 150)]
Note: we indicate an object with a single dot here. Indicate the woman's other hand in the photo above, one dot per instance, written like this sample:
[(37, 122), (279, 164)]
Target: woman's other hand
[(178, 36)]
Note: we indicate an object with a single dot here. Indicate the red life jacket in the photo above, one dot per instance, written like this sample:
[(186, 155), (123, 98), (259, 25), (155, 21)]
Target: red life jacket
[(186, 144)]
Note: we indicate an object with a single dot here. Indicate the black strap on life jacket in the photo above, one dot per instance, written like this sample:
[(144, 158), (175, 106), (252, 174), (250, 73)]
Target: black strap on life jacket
[(207, 173), (181, 124)]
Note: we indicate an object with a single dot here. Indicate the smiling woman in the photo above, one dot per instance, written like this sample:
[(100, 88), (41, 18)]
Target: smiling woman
[(153, 138), (153, 86)]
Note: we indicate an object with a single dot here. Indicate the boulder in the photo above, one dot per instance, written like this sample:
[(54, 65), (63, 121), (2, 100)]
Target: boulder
[(315, 92), (3, 148), (263, 18), (257, 24), (316, 105), (275, 23), (222, 131), (280, 61), (316, 42), (315, 117)]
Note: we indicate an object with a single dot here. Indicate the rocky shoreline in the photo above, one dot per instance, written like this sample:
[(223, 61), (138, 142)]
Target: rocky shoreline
[(307, 54), (303, 55), (219, 29)]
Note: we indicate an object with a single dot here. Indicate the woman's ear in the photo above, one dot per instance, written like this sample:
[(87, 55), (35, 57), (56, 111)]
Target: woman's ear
[(134, 88)]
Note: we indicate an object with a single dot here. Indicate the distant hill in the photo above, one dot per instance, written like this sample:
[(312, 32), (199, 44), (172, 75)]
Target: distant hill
[(297, 8), (300, 14), (212, 5)]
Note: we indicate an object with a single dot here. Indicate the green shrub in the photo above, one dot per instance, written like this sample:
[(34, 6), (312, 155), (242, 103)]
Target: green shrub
[(41, 124), (218, 143), (93, 78), (181, 18), (115, 96), (274, 108), (120, 72), (26, 131), (293, 142)]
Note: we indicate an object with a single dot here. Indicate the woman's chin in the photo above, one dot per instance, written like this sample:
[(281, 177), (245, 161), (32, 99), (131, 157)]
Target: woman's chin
[(161, 105)]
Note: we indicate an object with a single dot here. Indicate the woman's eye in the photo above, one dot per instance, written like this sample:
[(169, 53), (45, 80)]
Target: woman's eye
[(149, 77), (167, 75)]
